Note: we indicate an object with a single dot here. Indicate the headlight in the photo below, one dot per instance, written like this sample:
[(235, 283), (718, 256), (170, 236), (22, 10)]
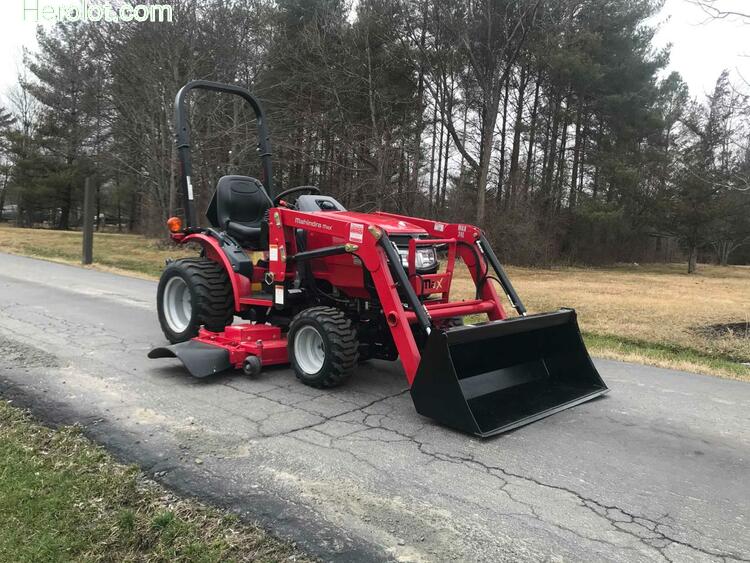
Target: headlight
[(424, 257)]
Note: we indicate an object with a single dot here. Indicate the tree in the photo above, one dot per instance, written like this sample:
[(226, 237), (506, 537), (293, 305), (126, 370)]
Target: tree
[(548, 122), (66, 85), (485, 39), (700, 200), (6, 120), (715, 10)]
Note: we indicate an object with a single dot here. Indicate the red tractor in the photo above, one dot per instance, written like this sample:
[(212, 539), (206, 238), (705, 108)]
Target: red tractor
[(321, 287)]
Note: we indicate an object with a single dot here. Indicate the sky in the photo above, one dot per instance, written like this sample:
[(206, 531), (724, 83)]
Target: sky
[(701, 47)]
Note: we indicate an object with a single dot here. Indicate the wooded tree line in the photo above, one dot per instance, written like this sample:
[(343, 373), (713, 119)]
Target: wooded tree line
[(548, 122)]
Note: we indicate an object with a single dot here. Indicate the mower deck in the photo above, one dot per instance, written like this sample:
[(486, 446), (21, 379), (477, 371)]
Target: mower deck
[(214, 352)]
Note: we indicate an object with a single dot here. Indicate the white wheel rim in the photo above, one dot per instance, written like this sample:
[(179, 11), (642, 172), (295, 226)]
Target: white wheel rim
[(176, 304), (309, 351)]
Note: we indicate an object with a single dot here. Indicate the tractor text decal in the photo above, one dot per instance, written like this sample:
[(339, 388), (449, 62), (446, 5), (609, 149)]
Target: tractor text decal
[(313, 224)]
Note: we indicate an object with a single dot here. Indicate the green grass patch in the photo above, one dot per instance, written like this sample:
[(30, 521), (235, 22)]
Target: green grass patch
[(665, 355), (62, 498)]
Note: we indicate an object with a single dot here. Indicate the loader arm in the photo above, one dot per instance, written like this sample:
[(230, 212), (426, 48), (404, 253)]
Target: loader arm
[(367, 242)]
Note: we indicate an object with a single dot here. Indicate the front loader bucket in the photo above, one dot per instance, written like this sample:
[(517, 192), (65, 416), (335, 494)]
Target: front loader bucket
[(493, 377)]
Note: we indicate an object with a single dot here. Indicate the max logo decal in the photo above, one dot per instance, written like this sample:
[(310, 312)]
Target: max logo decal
[(432, 285)]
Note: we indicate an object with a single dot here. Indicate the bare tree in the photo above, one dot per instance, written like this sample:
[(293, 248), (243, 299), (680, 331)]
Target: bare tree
[(482, 41), (715, 9)]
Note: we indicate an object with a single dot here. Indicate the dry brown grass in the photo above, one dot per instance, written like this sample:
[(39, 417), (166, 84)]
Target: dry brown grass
[(651, 314), (654, 304), (120, 253)]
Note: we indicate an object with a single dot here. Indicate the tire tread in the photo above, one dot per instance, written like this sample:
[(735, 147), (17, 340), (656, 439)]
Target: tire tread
[(214, 291), (343, 340)]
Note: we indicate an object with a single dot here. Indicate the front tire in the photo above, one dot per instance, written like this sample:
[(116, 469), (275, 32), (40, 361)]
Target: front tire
[(193, 292), (323, 347)]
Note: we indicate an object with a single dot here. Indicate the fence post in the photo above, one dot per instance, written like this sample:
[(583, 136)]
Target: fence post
[(88, 222)]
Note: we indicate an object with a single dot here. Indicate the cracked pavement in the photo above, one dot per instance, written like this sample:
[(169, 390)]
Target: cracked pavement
[(659, 469)]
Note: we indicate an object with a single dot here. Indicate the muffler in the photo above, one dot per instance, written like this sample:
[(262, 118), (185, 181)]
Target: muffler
[(490, 378)]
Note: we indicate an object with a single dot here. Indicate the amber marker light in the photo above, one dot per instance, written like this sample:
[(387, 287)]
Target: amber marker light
[(174, 224)]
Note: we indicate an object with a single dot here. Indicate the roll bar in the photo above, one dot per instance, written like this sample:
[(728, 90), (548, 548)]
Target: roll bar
[(183, 139)]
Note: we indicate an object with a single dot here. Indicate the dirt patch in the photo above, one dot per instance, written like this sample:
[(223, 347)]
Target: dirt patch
[(721, 330), (16, 353)]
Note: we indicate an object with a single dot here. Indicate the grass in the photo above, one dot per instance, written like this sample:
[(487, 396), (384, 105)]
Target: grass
[(671, 356), (652, 314), (122, 253), (62, 498)]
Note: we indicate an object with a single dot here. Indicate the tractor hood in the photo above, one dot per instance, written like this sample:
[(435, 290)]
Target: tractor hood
[(390, 225)]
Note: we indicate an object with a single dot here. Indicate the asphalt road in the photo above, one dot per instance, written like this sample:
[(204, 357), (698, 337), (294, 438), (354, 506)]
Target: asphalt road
[(657, 469)]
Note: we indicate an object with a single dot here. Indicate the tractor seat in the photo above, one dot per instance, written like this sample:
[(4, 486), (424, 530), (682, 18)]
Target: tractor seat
[(241, 205)]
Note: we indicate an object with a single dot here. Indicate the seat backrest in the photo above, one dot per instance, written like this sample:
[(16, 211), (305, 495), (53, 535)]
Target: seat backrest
[(241, 199)]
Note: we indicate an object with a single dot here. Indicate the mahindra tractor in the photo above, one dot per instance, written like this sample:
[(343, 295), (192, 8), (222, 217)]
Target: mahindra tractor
[(322, 288)]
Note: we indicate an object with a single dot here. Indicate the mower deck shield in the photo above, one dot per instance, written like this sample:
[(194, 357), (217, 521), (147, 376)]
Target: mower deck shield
[(489, 378), (200, 359)]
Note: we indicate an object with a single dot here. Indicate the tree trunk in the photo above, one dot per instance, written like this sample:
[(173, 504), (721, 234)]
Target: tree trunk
[(431, 188), (562, 159), (98, 199), (2, 195), (576, 157), (582, 164), (439, 166), (445, 174), (599, 136), (532, 138), (550, 155), (133, 211), (67, 197), (503, 132), (516, 149), (489, 120), (461, 175), (693, 260), (419, 129)]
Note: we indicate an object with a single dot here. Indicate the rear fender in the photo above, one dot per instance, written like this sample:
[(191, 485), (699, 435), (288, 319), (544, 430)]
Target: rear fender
[(213, 251)]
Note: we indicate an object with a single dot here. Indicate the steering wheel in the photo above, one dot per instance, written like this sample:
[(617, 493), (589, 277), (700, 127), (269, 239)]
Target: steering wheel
[(285, 193)]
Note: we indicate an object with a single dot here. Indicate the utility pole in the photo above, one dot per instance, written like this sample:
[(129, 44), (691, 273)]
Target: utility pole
[(88, 222)]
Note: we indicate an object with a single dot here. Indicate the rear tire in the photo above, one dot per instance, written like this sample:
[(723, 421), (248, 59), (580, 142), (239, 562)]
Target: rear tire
[(323, 347), (193, 292)]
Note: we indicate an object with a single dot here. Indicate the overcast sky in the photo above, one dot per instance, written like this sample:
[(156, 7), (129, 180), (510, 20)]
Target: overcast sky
[(701, 47)]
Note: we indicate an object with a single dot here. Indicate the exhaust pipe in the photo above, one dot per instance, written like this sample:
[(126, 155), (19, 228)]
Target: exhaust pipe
[(493, 377)]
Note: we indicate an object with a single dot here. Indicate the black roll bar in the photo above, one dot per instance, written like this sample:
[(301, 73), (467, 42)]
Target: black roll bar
[(183, 140)]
